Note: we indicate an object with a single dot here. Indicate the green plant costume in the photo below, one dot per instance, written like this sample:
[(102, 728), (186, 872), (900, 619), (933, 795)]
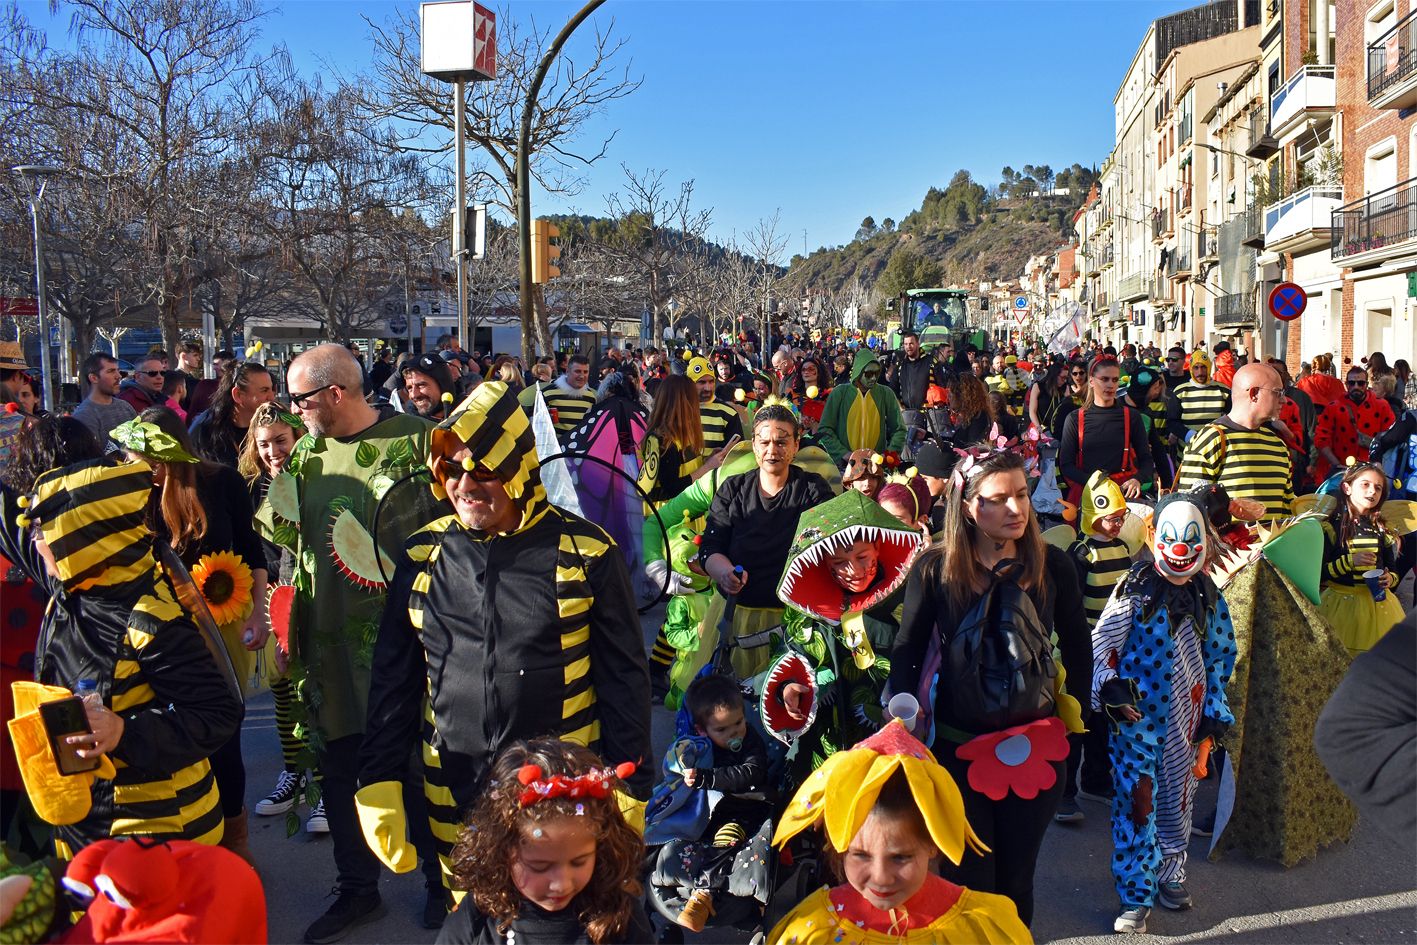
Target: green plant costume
[(857, 420)]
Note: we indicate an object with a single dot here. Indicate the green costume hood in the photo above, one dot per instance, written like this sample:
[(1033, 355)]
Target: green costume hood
[(807, 583), (863, 357)]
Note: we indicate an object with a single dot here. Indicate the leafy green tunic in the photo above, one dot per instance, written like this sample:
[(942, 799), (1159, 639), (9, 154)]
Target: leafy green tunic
[(322, 509)]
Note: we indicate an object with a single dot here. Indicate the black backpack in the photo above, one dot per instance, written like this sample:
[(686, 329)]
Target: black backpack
[(997, 667)]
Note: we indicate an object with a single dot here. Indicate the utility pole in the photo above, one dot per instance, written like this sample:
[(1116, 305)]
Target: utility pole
[(36, 177), (528, 299)]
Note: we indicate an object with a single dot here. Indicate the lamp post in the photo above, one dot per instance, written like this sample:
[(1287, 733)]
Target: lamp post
[(36, 178)]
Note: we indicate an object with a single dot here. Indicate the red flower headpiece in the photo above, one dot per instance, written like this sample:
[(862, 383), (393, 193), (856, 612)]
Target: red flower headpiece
[(594, 783)]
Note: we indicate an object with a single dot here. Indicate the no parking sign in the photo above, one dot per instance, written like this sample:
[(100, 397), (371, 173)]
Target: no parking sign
[(1287, 301)]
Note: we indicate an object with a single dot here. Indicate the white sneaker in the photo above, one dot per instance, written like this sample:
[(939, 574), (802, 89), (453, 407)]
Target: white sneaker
[(1132, 920), (285, 795), (318, 822)]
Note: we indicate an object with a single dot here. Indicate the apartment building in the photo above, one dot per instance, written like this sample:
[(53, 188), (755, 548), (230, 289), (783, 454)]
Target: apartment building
[(1374, 232)]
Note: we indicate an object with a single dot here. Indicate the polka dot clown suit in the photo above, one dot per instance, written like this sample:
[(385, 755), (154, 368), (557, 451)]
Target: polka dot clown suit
[(1164, 646)]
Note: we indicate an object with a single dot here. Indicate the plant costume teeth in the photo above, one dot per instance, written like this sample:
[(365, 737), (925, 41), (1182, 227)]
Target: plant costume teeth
[(841, 793), (355, 554)]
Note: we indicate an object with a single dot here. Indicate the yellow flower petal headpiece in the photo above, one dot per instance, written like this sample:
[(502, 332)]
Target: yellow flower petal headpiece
[(853, 780)]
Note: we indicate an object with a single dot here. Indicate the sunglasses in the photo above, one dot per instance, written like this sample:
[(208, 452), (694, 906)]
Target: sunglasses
[(298, 400), (1357, 383), (149, 373), (453, 470), (870, 373), (1172, 360)]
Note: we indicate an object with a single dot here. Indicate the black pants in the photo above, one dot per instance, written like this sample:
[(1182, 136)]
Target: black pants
[(1012, 829), (1088, 752), (229, 770), (356, 866)]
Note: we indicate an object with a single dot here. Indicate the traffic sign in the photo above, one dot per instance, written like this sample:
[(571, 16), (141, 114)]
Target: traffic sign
[(1020, 303), (1287, 301), (398, 323), (1021, 316)]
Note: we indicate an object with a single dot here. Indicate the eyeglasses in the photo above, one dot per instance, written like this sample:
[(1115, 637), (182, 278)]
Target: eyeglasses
[(1172, 360), (1273, 390), (454, 470), (298, 400), (1357, 383), (1078, 373), (150, 373)]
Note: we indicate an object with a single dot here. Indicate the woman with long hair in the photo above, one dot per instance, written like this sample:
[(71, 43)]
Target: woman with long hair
[(1047, 396), (1406, 383), (1105, 434), (969, 408), (270, 440), (994, 539), (1357, 542), (203, 510), (217, 432), (810, 376)]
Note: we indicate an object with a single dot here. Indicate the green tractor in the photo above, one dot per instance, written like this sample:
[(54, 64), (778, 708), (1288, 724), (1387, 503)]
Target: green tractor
[(936, 315)]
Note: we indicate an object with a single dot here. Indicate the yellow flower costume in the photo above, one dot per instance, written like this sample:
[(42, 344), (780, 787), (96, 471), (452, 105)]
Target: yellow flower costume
[(841, 795)]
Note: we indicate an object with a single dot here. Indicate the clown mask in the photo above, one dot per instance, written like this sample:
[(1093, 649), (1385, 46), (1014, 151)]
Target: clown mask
[(1180, 541)]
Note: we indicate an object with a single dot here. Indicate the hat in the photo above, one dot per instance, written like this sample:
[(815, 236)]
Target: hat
[(1011, 359), (698, 369), (435, 367), (1221, 346), (12, 357), (933, 461), (1199, 356), (1141, 381)]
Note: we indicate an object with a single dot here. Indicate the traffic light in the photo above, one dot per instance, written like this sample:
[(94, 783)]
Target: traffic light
[(543, 254)]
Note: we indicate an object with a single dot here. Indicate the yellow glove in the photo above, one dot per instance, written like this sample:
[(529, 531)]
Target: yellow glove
[(382, 818), (57, 798)]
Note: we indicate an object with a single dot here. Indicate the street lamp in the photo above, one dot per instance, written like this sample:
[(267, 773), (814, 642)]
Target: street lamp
[(36, 177)]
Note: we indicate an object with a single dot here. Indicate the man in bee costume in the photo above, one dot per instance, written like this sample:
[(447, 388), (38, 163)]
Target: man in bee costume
[(508, 619)]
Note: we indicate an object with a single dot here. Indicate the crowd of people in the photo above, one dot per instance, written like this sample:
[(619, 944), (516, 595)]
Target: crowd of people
[(937, 598)]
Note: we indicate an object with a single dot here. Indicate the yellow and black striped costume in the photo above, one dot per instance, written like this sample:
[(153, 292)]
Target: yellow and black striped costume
[(1194, 405), (570, 406), (115, 620), (1250, 464), (490, 638), (1102, 562), (721, 423)]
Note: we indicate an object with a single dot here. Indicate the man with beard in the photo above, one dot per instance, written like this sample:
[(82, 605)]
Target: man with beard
[(1195, 403), (102, 410), (1348, 425), (425, 381), (721, 421), (322, 508)]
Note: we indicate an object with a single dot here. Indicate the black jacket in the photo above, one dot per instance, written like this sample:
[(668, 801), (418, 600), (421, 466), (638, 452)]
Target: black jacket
[(517, 636), (912, 378)]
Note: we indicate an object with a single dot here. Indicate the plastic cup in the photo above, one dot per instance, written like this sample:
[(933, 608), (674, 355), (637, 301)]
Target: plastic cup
[(1376, 585), (903, 706)]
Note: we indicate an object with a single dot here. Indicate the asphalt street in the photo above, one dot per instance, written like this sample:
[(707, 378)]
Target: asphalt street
[(1364, 891)]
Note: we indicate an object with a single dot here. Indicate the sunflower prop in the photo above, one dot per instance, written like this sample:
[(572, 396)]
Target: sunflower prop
[(842, 792), (225, 582)]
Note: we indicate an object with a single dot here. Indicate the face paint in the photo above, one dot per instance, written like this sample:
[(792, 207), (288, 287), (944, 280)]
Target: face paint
[(1180, 540)]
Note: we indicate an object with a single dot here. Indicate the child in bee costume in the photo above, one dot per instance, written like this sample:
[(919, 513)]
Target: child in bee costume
[(1164, 649)]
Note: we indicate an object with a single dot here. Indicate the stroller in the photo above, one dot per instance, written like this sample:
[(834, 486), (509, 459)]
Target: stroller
[(749, 884)]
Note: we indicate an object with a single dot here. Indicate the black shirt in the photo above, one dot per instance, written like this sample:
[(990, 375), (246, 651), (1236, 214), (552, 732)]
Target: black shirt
[(1103, 437), (928, 610), (754, 531), (533, 926)]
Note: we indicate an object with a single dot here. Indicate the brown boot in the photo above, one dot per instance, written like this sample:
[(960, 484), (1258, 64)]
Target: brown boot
[(697, 910), (234, 837)]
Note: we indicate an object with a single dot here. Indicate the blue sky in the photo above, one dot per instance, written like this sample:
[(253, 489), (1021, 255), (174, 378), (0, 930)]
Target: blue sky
[(827, 110)]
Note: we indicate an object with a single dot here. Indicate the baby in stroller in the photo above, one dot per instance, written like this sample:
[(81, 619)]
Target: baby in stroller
[(712, 814)]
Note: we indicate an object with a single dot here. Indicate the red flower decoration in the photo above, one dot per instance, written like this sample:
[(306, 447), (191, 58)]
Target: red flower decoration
[(1018, 759)]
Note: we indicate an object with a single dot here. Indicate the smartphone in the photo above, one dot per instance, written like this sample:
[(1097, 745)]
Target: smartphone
[(732, 442), (62, 718)]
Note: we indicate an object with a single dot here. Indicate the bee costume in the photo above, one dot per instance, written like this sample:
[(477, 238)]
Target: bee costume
[(493, 637)]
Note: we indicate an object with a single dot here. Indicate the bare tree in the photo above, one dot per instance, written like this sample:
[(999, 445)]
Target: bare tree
[(329, 188), (767, 245), (659, 240), (141, 109)]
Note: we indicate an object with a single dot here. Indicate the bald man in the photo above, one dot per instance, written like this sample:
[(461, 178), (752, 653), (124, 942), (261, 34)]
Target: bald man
[(322, 508), (1246, 450)]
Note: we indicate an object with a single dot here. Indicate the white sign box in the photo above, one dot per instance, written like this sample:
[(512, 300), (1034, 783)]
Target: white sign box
[(459, 40)]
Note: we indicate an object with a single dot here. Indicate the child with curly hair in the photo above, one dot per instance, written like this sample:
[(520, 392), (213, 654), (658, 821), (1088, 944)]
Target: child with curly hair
[(547, 855)]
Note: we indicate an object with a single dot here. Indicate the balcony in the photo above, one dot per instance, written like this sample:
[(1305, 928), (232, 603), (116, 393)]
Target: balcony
[(1184, 205), (1104, 258), (1209, 245), (1178, 263), (1308, 93), (1160, 291), (1262, 144), (1251, 227), (1376, 227), (1392, 66), (1132, 288), (1163, 224), (1235, 311), (1301, 221)]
